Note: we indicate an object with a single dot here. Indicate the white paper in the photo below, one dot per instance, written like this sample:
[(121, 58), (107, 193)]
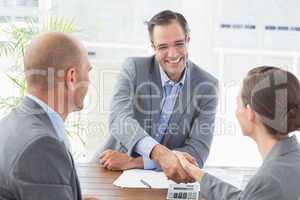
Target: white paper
[(132, 179)]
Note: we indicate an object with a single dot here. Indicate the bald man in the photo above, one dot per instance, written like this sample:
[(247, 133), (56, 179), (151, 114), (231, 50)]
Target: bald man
[(35, 163)]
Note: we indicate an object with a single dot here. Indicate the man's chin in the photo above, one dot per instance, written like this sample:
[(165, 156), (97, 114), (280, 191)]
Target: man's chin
[(175, 69)]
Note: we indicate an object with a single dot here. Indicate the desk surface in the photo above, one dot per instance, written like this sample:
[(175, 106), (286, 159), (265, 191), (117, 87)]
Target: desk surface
[(98, 182)]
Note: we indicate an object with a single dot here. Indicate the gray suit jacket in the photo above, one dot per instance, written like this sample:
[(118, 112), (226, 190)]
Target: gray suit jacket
[(135, 109), (34, 164), (277, 179)]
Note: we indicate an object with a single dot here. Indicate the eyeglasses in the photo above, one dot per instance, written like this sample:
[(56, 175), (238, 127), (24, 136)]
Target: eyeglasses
[(164, 48)]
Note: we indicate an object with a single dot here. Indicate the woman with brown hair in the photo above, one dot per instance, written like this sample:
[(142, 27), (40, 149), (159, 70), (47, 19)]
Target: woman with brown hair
[(268, 109)]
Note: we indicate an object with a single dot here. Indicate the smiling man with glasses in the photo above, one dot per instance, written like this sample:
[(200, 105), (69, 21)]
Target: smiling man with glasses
[(162, 103)]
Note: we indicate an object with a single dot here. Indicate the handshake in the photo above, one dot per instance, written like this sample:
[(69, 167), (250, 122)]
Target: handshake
[(178, 166)]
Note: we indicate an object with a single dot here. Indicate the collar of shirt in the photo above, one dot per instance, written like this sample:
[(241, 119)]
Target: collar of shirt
[(165, 79), (55, 118), (283, 147)]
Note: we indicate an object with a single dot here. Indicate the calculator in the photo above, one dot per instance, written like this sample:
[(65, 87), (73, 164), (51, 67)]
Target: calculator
[(183, 191)]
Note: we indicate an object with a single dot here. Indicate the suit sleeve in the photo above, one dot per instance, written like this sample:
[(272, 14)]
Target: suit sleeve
[(199, 140), (263, 187), (123, 127), (43, 171)]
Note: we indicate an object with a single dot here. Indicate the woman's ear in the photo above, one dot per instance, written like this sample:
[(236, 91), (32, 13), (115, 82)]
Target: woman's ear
[(70, 78), (250, 113)]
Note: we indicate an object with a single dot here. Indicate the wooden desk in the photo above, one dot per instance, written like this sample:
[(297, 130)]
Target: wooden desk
[(98, 182)]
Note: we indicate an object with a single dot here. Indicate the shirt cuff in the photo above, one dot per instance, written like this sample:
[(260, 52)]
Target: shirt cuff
[(149, 164), (145, 146)]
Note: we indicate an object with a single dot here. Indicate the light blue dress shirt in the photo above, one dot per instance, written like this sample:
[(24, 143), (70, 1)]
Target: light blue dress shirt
[(171, 91), (55, 118)]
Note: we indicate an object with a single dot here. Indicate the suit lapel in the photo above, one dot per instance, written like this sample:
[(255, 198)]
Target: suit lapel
[(78, 192), (156, 93)]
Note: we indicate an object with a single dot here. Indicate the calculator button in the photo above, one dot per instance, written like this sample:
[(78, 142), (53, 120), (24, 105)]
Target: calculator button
[(175, 195), (180, 195), (194, 195), (184, 195)]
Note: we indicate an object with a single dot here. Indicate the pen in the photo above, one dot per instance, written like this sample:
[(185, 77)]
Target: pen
[(145, 183)]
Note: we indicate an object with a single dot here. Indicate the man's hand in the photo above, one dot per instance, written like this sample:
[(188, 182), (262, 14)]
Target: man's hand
[(188, 157), (114, 160), (193, 170), (170, 164)]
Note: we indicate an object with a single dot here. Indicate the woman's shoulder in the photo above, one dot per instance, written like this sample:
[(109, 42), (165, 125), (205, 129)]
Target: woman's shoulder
[(277, 179), (287, 165), (263, 186)]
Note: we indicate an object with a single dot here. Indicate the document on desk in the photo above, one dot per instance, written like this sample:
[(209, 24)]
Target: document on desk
[(139, 178), (132, 179)]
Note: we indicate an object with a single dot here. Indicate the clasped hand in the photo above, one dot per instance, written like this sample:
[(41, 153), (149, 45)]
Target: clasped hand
[(178, 166)]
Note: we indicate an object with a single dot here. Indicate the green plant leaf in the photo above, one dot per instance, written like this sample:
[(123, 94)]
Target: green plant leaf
[(59, 24), (6, 48), (17, 82)]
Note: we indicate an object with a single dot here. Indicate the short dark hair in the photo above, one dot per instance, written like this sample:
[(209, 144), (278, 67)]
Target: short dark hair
[(166, 17), (274, 94)]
